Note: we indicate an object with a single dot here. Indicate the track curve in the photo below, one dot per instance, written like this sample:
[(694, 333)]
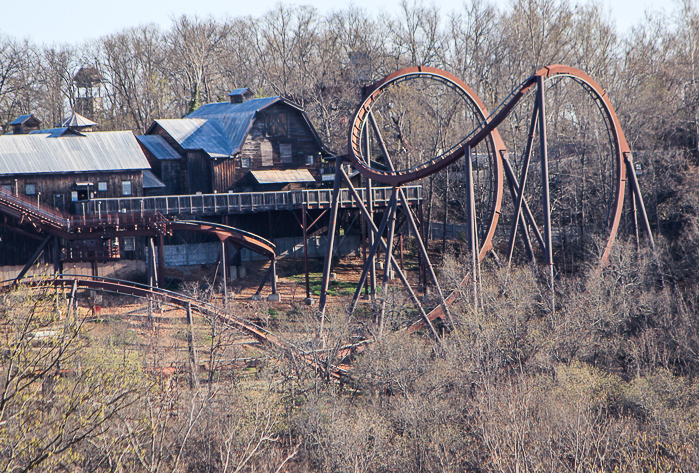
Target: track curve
[(265, 338), (488, 128)]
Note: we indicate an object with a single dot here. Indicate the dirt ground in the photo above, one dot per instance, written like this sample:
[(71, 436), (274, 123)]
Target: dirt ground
[(161, 331)]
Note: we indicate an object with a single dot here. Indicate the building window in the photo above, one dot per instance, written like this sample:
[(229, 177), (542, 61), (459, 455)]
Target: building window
[(244, 162), (129, 244), (102, 187), (277, 124), (125, 187), (309, 160), (30, 189), (74, 196), (285, 152), (7, 189)]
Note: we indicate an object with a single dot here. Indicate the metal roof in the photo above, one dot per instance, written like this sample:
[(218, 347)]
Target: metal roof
[(150, 181), (77, 120), (157, 145), (234, 118), (196, 133), (55, 132), (44, 153), (23, 118), (243, 91), (283, 177), (220, 128)]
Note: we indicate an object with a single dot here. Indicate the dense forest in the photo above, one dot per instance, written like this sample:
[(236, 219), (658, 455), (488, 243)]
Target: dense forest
[(605, 380)]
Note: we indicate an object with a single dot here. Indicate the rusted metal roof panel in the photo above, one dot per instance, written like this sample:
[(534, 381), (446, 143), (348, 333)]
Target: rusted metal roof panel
[(150, 181), (45, 153), (196, 133), (157, 145), (283, 177)]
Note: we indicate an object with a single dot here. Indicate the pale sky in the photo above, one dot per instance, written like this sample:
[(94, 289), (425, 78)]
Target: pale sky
[(52, 22)]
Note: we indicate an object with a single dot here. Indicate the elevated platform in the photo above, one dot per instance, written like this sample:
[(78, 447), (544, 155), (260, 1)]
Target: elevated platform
[(242, 203)]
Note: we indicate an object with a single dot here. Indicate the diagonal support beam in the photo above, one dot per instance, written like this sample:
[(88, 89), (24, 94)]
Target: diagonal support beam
[(372, 252), (396, 266), (525, 206), (387, 263), (418, 238), (327, 264), (33, 258), (522, 185), (631, 171)]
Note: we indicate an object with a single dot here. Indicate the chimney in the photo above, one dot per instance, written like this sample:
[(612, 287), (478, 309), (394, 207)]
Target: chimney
[(241, 95)]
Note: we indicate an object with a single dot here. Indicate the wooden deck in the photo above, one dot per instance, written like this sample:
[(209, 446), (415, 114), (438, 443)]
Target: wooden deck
[(242, 203)]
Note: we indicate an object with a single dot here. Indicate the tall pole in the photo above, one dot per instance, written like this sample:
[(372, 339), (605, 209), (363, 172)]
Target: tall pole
[(161, 260), (309, 301), (370, 207), (387, 264), (545, 195), (330, 243), (472, 240), (224, 266)]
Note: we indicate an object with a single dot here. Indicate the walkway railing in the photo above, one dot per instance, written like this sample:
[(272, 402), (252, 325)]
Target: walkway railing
[(245, 202)]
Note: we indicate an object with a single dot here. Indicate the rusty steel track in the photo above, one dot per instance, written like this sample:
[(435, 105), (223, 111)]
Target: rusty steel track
[(487, 130), (265, 338)]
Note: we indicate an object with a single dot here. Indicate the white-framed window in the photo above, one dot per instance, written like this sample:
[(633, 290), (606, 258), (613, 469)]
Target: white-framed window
[(30, 189), (129, 243), (244, 162), (309, 160), (74, 196), (102, 186), (285, 152), (125, 187)]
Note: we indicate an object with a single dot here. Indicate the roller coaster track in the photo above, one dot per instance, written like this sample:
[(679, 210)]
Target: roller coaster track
[(487, 129), (266, 339)]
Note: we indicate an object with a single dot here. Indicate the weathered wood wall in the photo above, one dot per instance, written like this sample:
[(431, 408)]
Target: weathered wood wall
[(57, 187), (282, 131)]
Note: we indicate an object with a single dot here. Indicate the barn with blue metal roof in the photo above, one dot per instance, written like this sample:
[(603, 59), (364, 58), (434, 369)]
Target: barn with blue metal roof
[(220, 144)]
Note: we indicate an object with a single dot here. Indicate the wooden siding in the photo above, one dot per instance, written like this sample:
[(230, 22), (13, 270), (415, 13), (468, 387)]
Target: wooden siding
[(199, 175), (168, 171), (264, 133), (56, 189), (224, 172)]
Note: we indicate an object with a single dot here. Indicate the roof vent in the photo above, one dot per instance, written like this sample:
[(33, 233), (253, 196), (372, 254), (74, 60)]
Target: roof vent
[(241, 95), (78, 123)]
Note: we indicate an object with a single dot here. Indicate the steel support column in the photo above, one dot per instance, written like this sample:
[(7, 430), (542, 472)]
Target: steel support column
[(330, 242), (545, 194), (309, 300), (161, 260), (224, 268), (472, 227)]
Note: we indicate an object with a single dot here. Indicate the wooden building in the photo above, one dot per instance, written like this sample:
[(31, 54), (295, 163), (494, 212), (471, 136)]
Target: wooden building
[(23, 124), (63, 168), (265, 144)]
